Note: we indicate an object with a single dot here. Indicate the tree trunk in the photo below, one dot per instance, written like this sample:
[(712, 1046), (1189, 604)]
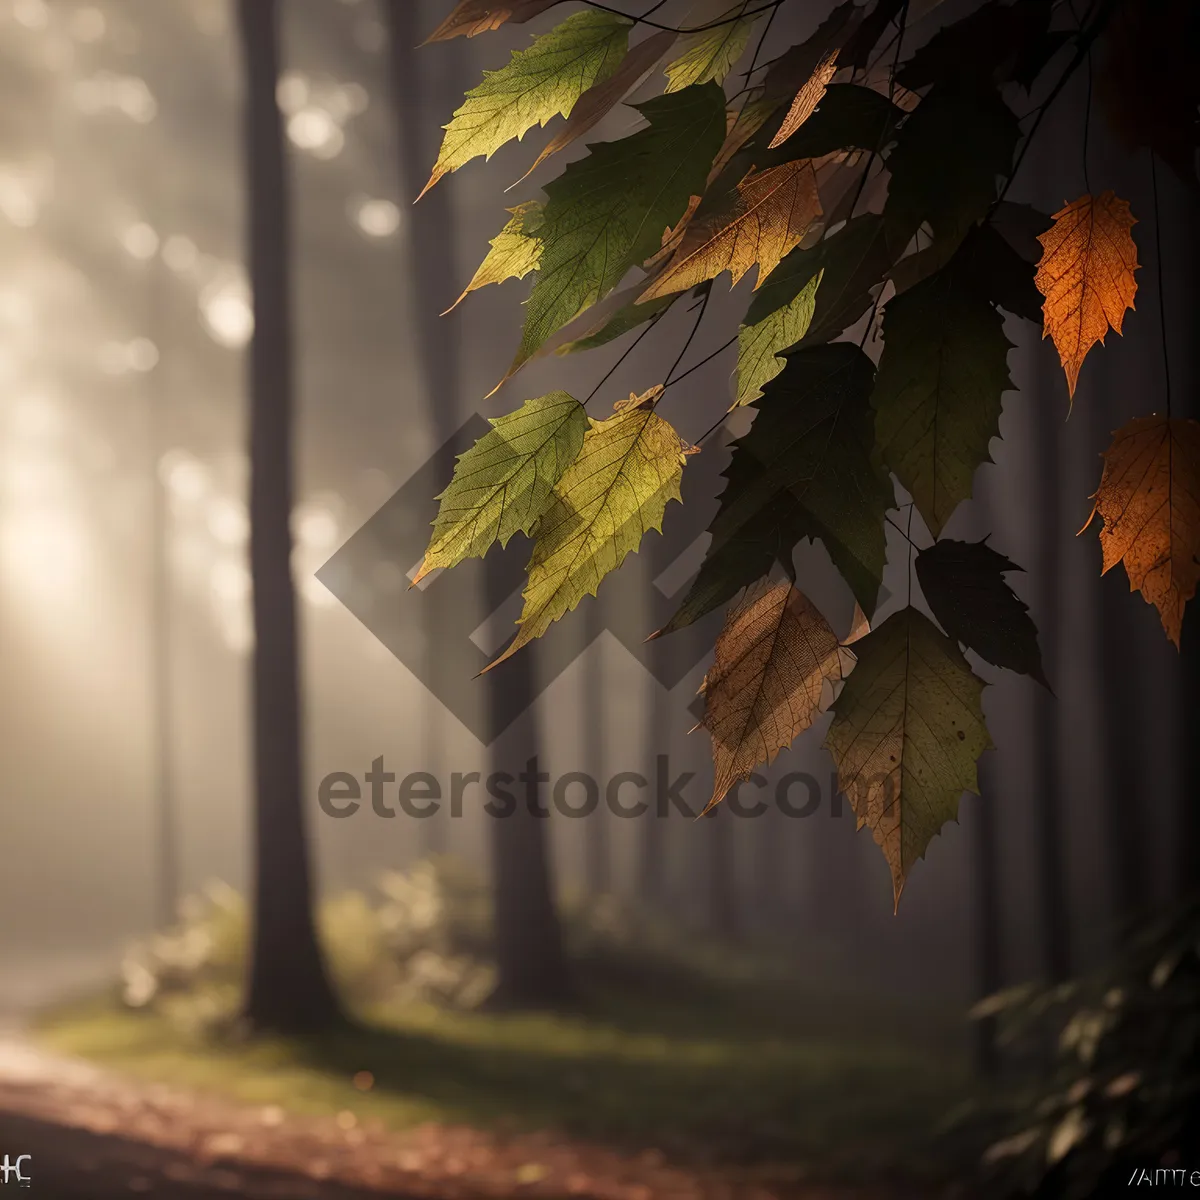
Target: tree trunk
[(1049, 852), (289, 990), (419, 79), (597, 850), (531, 964)]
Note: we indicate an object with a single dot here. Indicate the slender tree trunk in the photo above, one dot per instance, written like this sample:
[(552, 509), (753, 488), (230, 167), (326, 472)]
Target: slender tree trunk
[(530, 961), (1049, 852), (720, 826), (289, 990), (419, 78), (597, 849), (989, 976)]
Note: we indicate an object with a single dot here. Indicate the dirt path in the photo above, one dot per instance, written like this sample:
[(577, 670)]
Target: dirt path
[(93, 1135)]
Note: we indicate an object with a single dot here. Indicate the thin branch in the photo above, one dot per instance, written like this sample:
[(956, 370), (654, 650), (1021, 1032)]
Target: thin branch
[(774, 4), (624, 355), (690, 336)]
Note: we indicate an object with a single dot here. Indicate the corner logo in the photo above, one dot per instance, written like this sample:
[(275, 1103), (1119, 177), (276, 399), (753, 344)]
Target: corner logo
[(448, 630)]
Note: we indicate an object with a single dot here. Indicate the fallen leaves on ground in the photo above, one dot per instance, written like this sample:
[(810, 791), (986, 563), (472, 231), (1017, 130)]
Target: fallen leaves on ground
[(228, 1146)]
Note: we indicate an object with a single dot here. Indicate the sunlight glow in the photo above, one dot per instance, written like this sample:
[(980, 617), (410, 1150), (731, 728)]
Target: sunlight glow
[(376, 218), (184, 476), (228, 523), (314, 527), (227, 312), (314, 129), (140, 241)]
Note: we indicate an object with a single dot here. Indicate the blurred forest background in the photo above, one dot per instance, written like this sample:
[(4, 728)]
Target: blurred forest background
[(125, 626)]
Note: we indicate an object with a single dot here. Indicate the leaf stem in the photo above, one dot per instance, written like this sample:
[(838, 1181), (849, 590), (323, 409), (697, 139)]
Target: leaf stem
[(624, 355), (688, 342)]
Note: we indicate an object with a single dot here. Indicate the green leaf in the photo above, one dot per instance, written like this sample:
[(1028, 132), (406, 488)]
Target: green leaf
[(987, 264), (708, 56), (515, 251), (948, 155), (606, 213), (620, 323), (992, 41), (806, 467), (965, 587), (759, 345), (853, 260), (502, 485), (539, 84), (906, 736), (616, 490), (937, 398)]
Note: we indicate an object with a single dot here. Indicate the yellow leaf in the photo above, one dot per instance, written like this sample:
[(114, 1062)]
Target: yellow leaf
[(1086, 275), (601, 98), (770, 215), (618, 487), (1149, 500), (772, 659), (538, 84), (807, 98), (515, 251)]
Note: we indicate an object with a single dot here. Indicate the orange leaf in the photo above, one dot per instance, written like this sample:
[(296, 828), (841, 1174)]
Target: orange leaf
[(770, 214), (807, 98), (764, 687), (1086, 275), (1149, 500)]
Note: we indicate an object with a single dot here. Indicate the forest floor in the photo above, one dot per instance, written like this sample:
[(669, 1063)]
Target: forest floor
[(742, 1098)]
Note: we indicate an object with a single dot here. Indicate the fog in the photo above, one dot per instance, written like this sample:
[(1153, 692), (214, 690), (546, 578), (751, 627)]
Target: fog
[(124, 611)]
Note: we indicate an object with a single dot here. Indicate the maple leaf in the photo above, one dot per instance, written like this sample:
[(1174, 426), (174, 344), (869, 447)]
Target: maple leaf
[(605, 213), (906, 735), (964, 585), (807, 99), (772, 659), (771, 212), (806, 468), (502, 485), (515, 251), (759, 346), (600, 99), (1087, 276), (710, 54), (869, 30), (948, 155), (1149, 501), (617, 488), (472, 17), (937, 399), (540, 83)]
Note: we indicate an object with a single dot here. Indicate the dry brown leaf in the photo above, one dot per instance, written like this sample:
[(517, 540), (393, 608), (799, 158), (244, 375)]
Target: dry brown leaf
[(764, 687), (770, 215), (472, 17), (1086, 275), (598, 101), (1149, 500), (807, 98)]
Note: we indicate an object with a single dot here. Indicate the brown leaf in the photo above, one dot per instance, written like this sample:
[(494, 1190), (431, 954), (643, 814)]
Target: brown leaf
[(770, 214), (472, 17), (807, 98), (598, 101), (764, 687), (1149, 500), (1086, 275)]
